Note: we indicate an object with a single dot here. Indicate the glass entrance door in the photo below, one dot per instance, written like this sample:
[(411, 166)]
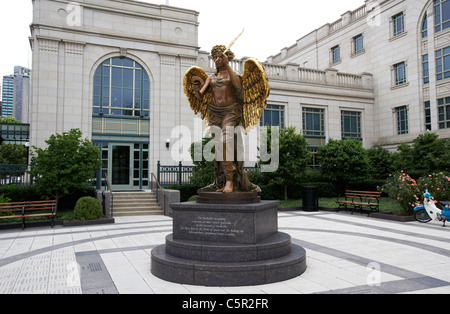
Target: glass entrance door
[(125, 164), (121, 170)]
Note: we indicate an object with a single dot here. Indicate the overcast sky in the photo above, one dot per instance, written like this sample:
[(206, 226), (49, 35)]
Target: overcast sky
[(269, 25)]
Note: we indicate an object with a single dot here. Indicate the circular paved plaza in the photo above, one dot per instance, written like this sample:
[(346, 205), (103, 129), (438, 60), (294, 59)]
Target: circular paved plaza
[(345, 254)]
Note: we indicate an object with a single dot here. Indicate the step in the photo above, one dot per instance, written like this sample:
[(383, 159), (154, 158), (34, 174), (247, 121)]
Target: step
[(137, 207), (193, 272), (135, 204), (277, 245), (137, 213)]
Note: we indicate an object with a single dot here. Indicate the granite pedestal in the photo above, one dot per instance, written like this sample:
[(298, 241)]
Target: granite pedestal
[(227, 244)]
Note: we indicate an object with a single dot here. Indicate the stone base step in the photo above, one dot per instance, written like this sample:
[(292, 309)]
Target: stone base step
[(226, 274)]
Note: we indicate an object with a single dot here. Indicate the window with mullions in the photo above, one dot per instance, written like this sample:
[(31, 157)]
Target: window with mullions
[(335, 54), (441, 15), (351, 125), (402, 120), (121, 88), (313, 122), (443, 64), (273, 115), (358, 44), (444, 113), (425, 69), (399, 24), (425, 27), (427, 115), (400, 73)]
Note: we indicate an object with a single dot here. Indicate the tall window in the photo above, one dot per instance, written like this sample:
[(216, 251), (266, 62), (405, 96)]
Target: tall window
[(121, 88), (425, 27), (402, 120), (314, 127), (443, 64), (427, 116), (358, 44), (335, 54), (313, 122), (351, 125), (444, 113), (400, 73), (399, 24), (441, 15), (425, 69), (273, 115)]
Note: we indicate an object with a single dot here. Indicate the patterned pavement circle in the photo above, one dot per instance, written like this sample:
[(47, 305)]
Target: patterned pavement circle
[(346, 254)]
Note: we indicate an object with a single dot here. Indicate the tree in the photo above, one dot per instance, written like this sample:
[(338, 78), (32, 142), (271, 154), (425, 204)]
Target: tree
[(13, 154), (380, 162), (343, 161), (294, 158), (203, 173), (67, 164), (427, 154), (9, 119)]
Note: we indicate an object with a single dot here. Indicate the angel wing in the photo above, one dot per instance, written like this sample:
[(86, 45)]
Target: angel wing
[(197, 76), (255, 92)]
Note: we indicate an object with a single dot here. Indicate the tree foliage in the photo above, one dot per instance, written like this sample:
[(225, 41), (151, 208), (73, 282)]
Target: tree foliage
[(380, 162), (9, 119), (203, 173), (13, 154), (427, 154), (67, 164), (343, 161), (294, 158)]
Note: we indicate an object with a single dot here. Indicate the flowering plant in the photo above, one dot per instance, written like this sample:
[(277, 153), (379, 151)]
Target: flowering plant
[(402, 187), (409, 192), (438, 184)]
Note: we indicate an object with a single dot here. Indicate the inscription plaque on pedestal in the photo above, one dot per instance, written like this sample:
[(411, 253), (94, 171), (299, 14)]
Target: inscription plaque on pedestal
[(247, 223), (227, 245)]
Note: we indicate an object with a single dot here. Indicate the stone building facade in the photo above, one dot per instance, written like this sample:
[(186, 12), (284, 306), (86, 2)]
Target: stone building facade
[(405, 45), (114, 69)]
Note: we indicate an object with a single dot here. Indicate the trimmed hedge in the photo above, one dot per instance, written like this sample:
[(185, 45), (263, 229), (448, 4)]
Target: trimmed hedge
[(29, 193)]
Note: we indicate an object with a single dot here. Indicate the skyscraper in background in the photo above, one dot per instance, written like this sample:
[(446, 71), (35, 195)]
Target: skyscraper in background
[(7, 96), (16, 94)]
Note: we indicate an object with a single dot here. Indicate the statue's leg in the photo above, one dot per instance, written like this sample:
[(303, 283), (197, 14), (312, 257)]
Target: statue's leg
[(228, 163)]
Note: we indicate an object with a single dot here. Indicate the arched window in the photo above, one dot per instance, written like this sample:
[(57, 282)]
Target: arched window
[(441, 15), (121, 88), (425, 27)]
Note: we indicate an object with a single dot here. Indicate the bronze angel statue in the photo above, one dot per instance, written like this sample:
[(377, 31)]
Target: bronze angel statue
[(227, 100)]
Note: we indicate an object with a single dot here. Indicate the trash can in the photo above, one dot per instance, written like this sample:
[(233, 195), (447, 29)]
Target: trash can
[(310, 198)]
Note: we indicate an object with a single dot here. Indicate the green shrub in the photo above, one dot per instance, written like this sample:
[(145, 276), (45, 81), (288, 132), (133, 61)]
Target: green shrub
[(87, 208), (186, 190)]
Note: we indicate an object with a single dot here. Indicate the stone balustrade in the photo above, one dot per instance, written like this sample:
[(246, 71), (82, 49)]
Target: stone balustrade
[(295, 73)]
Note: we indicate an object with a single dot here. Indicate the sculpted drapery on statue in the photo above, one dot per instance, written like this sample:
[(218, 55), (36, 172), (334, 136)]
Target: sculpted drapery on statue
[(228, 102)]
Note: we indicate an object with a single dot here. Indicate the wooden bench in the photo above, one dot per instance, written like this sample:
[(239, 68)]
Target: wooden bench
[(29, 209), (358, 200)]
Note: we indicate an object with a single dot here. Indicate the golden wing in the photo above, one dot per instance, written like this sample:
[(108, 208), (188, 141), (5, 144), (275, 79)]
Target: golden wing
[(197, 76), (255, 86)]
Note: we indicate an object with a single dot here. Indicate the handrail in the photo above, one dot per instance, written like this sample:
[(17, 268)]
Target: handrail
[(111, 193), (162, 191)]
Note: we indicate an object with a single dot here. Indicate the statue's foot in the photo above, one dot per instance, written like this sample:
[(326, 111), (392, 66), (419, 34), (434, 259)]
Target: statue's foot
[(228, 187)]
